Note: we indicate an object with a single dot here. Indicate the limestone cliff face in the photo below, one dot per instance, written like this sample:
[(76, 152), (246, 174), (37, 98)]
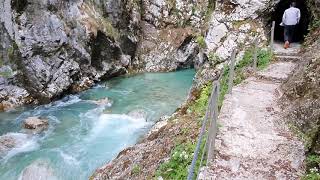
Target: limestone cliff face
[(49, 48), (54, 47)]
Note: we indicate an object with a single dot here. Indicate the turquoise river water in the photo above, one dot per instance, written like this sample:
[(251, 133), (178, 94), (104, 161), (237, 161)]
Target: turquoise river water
[(84, 135)]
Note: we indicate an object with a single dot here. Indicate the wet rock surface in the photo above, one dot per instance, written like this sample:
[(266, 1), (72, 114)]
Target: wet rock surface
[(138, 114), (17, 142), (35, 124), (102, 102), (6, 144)]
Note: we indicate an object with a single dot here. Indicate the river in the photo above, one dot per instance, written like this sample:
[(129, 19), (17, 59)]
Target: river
[(84, 135)]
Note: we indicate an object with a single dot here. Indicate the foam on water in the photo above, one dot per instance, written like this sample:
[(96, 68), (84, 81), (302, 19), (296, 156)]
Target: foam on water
[(69, 159), (119, 123), (67, 101)]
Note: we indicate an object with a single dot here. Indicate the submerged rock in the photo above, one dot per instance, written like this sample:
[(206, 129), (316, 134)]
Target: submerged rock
[(15, 143), (39, 170), (102, 102), (35, 124), (6, 144), (82, 85), (138, 114)]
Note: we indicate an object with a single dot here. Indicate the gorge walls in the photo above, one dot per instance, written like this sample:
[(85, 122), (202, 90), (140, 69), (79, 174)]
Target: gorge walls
[(50, 48)]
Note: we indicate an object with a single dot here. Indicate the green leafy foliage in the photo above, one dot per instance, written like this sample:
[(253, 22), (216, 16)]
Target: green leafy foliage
[(201, 41), (200, 105), (313, 174), (223, 86), (264, 58), (136, 169), (210, 9), (213, 58), (178, 164), (315, 24), (312, 162), (6, 74)]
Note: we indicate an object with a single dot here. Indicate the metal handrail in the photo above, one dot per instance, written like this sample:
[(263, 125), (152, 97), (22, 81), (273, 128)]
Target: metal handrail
[(202, 132), (210, 119), (212, 111)]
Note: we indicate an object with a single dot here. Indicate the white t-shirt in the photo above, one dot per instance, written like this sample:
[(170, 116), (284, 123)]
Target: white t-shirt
[(291, 16)]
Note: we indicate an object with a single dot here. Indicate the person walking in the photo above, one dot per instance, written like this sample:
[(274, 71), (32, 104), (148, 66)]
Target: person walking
[(290, 19)]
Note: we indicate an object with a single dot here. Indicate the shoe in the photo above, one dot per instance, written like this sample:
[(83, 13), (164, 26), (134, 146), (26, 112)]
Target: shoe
[(286, 45)]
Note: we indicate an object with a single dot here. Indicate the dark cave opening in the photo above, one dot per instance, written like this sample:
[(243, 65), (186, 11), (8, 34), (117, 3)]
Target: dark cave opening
[(301, 29)]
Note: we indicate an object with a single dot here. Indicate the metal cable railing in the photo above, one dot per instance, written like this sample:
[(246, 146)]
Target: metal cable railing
[(212, 111)]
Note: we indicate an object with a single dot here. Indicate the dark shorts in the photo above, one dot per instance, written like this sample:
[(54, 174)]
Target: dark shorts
[(289, 33)]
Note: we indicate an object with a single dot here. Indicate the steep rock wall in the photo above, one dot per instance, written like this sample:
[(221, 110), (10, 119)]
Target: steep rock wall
[(55, 48), (50, 48)]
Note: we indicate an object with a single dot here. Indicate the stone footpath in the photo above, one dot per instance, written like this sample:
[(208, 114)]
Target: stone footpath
[(253, 141)]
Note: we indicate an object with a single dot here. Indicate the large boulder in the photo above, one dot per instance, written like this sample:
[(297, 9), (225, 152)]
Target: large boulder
[(35, 124)]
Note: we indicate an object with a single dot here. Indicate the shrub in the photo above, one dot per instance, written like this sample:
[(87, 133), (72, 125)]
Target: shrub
[(201, 41), (200, 105), (136, 169), (178, 165)]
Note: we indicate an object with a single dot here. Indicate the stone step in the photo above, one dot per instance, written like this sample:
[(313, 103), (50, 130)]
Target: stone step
[(278, 53), (277, 72), (294, 49), (288, 58)]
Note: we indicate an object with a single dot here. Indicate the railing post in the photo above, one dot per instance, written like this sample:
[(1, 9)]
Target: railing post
[(255, 54), (212, 123), (272, 35), (231, 72)]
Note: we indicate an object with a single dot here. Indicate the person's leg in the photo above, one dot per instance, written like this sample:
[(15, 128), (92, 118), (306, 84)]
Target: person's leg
[(286, 36), (286, 31), (290, 34)]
